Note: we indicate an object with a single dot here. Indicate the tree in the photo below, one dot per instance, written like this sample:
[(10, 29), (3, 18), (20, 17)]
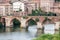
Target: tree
[(0, 17), (57, 0), (25, 17), (1, 25), (51, 14), (39, 12), (59, 30), (35, 13), (37, 19), (32, 22), (48, 37)]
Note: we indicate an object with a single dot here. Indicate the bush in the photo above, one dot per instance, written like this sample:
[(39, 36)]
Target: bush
[(57, 0), (31, 22), (1, 25), (52, 14), (48, 37), (37, 19), (25, 17), (41, 13), (0, 17), (59, 30)]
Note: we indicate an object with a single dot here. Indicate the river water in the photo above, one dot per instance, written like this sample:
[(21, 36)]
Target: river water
[(20, 35)]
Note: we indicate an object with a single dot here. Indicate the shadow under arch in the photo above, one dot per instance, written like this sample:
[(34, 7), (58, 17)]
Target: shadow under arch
[(30, 22), (2, 25), (47, 21), (15, 23)]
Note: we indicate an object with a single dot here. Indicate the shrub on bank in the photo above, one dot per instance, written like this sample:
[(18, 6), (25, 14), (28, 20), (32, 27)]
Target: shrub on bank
[(48, 37), (37, 19)]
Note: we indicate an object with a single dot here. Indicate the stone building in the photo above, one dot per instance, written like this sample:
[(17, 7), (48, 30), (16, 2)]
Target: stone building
[(5, 8), (50, 6), (45, 5), (29, 5)]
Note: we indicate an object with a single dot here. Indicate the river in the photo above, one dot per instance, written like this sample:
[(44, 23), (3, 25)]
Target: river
[(20, 35)]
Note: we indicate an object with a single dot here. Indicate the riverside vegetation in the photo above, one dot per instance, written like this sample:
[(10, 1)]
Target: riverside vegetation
[(48, 37)]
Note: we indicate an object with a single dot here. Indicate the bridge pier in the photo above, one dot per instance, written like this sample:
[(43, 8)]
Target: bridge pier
[(57, 27), (8, 27), (23, 23), (39, 27)]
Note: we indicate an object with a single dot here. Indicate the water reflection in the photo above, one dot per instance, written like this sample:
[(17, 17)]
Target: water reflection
[(20, 35)]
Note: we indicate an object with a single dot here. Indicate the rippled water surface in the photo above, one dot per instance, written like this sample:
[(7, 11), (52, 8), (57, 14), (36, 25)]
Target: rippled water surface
[(20, 35)]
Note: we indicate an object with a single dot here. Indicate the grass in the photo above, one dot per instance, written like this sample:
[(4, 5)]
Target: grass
[(48, 37)]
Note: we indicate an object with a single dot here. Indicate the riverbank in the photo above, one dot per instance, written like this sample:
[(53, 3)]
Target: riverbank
[(48, 37)]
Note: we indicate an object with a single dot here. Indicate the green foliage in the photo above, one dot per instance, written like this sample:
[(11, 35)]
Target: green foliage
[(57, 0), (39, 12), (0, 17), (1, 25), (31, 22), (51, 14), (35, 13), (37, 19), (48, 37), (16, 23), (25, 17), (46, 19), (59, 30)]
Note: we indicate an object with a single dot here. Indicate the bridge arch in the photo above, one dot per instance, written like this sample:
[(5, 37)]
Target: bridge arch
[(15, 18), (15, 23), (47, 22), (30, 22)]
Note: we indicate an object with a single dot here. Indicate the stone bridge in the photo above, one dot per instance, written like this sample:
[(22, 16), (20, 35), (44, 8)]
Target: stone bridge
[(42, 21)]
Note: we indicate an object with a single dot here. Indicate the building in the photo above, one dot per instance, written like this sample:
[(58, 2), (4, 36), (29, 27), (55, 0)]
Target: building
[(18, 6), (50, 6), (5, 8), (32, 5), (27, 6)]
